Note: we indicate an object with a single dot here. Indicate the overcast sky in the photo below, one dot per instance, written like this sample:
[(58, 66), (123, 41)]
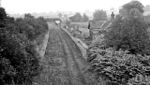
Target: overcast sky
[(30, 6)]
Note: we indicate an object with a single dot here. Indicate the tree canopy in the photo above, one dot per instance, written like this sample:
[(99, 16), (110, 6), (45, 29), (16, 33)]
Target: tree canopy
[(79, 18), (121, 57), (99, 15), (129, 32), (2, 17), (132, 9), (85, 18), (19, 61)]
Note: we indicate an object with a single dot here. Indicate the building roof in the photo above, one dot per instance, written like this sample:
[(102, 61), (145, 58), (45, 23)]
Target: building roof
[(106, 24), (80, 24), (102, 26), (96, 24), (53, 19)]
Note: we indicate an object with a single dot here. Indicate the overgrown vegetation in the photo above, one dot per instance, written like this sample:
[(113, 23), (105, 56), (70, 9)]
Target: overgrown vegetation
[(31, 27), (19, 61), (121, 57), (119, 67)]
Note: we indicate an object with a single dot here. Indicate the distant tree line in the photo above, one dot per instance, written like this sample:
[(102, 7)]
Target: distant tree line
[(97, 16), (79, 18)]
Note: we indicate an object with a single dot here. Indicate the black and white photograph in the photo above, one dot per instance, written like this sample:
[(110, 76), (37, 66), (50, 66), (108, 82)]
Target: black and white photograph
[(74, 42)]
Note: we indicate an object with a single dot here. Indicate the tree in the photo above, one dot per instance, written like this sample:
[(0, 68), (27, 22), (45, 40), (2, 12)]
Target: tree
[(99, 15), (60, 15), (134, 8), (19, 61), (129, 32), (85, 18), (76, 18), (122, 55), (2, 17)]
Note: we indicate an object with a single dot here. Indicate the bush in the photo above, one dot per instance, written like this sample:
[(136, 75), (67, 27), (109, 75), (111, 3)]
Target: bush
[(32, 27), (121, 57), (18, 65), (19, 62), (118, 66)]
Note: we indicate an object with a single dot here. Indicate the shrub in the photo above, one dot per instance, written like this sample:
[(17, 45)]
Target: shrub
[(121, 57), (19, 62), (129, 30), (118, 66), (32, 27)]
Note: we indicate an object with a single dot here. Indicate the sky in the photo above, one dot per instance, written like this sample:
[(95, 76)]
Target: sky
[(31, 6)]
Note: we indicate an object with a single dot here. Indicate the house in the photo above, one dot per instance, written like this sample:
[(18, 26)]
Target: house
[(54, 19), (80, 28)]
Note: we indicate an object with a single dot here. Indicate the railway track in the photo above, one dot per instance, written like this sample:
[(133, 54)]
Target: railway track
[(63, 62)]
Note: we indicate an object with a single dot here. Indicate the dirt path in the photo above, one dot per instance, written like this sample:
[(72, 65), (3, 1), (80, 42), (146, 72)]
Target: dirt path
[(63, 62)]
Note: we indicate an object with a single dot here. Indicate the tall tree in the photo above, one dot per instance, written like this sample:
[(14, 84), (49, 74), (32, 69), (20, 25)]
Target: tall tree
[(132, 10), (85, 18), (76, 18), (129, 32), (99, 15), (2, 17)]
